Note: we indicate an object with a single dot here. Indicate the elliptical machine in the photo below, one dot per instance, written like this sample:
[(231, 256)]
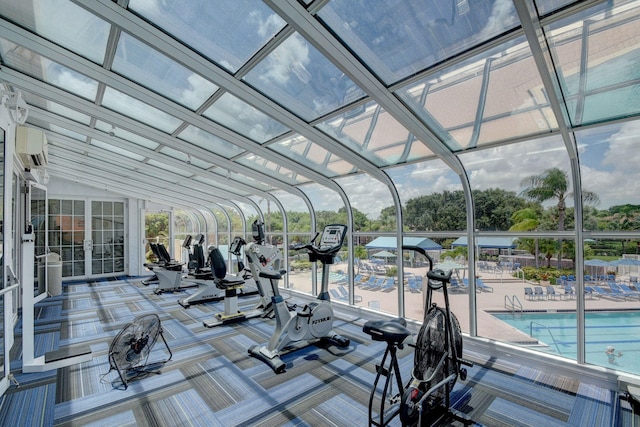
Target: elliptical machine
[(298, 329), (425, 400)]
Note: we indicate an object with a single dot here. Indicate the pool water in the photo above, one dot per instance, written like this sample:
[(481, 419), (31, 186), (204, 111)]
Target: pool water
[(620, 329)]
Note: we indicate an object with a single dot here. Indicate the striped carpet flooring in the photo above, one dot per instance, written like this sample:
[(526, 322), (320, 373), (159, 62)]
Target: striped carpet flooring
[(211, 381)]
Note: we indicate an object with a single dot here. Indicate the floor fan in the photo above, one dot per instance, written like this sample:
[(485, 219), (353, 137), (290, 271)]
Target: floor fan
[(129, 351)]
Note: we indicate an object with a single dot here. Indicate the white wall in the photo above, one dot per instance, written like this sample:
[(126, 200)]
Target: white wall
[(59, 188)]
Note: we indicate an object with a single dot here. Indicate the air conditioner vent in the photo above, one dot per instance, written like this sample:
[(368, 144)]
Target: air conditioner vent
[(31, 147)]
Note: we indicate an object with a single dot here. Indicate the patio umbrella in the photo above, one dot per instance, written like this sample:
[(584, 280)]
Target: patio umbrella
[(384, 254), (597, 263), (450, 265)]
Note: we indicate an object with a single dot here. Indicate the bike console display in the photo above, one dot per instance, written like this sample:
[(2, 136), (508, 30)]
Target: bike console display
[(332, 238)]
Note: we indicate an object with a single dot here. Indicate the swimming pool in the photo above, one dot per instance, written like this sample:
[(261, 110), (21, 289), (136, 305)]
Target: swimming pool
[(619, 329)]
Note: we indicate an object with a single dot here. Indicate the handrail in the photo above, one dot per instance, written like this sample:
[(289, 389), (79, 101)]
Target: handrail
[(511, 303), (508, 302), (517, 273), (548, 330)]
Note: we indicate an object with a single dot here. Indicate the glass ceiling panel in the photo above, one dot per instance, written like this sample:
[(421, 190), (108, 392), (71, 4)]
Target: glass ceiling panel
[(41, 68), (217, 184), (238, 177), (241, 117), (597, 54), (399, 39), (313, 156), (299, 77), (228, 32), (609, 159), (272, 169), (117, 150), (138, 110), (57, 129), (54, 107), (63, 23), (125, 134), (374, 134), (209, 142), (183, 157), (168, 168), (148, 67), (493, 96)]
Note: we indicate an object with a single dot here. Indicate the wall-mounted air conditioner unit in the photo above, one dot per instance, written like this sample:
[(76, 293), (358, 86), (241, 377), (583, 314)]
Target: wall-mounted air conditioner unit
[(31, 147)]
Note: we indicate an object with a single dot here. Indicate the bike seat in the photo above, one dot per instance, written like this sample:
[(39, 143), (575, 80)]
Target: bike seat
[(391, 331)]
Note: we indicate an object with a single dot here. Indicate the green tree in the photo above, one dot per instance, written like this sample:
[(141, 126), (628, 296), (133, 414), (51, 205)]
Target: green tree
[(553, 184), (527, 219)]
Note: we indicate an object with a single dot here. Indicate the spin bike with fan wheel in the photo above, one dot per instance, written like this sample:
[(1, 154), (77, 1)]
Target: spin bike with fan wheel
[(314, 323), (425, 400)]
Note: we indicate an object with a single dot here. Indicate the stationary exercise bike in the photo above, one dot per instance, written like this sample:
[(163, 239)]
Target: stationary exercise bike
[(425, 400), (298, 329), (232, 286)]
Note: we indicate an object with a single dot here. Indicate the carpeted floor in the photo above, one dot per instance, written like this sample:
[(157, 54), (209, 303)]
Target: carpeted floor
[(211, 381)]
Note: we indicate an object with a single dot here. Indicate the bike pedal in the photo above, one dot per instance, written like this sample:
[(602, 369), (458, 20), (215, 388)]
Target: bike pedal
[(382, 370)]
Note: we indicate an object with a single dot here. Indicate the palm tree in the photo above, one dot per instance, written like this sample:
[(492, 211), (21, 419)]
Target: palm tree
[(526, 220), (552, 184)]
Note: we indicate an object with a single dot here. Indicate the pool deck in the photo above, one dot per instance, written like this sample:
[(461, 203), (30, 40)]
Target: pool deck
[(505, 287)]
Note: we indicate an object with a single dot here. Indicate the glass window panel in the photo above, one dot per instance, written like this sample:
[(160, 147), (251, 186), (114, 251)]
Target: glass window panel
[(209, 142), (534, 329), (117, 150), (138, 110), (125, 134), (244, 119), (398, 39), (609, 161), (312, 155), (272, 169), (148, 67), (361, 189), (325, 199), (373, 133), (298, 217), (502, 86), (596, 54), (546, 6), (297, 76), (228, 32), (505, 180), (41, 68), (431, 196), (62, 22)]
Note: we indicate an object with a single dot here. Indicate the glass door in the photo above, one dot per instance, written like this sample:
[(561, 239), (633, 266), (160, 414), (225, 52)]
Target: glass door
[(67, 235), (156, 230), (107, 234)]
